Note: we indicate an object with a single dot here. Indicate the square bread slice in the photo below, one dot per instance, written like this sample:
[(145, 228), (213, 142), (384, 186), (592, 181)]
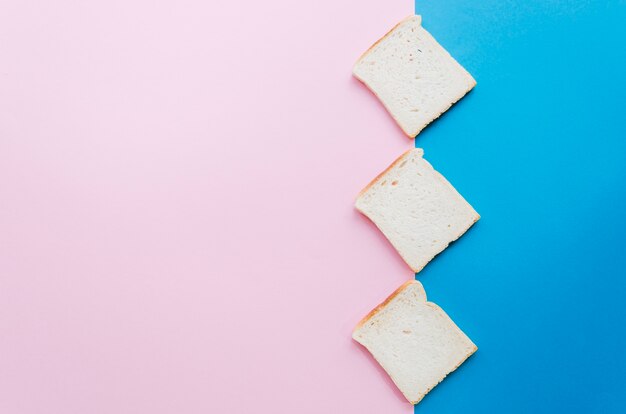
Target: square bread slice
[(415, 341), (415, 78), (416, 208)]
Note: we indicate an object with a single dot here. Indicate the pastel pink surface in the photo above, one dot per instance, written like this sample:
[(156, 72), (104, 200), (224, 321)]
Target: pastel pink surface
[(177, 231)]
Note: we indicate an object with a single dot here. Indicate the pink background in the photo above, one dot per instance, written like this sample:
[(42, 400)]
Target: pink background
[(177, 231)]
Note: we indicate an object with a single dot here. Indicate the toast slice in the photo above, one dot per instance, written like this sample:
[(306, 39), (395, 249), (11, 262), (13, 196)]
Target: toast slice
[(415, 341), (416, 208), (415, 78)]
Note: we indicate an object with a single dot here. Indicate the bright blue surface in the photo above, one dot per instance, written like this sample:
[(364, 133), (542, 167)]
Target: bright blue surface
[(539, 149)]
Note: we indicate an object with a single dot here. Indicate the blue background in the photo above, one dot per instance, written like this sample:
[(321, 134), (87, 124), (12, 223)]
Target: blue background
[(539, 149)]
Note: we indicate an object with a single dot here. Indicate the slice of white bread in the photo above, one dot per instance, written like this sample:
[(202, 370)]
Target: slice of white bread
[(415, 78), (415, 341), (416, 208)]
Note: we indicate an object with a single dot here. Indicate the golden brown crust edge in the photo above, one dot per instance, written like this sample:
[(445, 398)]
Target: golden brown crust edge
[(406, 19), (378, 308), (386, 170)]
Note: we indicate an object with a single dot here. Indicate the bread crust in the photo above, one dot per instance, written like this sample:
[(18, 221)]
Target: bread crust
[(406, 19), (389, 168), (382, 305)]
